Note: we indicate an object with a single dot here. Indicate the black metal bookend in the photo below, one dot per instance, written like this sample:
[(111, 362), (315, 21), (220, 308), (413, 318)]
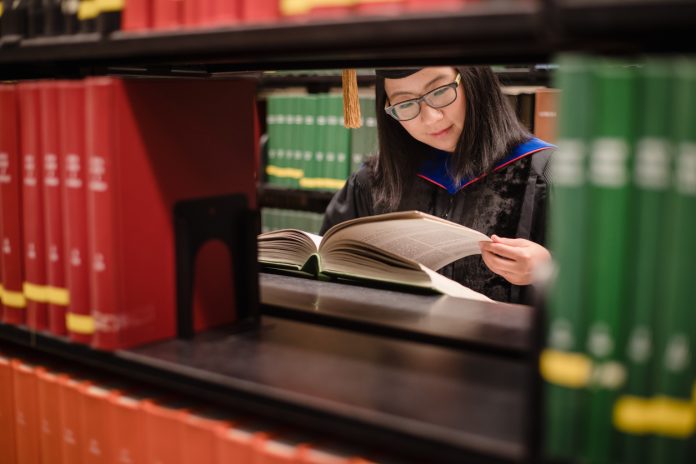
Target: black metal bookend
[(224, 218)]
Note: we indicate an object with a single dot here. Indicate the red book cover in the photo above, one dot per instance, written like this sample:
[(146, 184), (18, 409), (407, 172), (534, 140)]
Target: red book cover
[(179, 147), (33, 206), (26, 413), (97, 433), (261, 11), (380, 7), (50, 434), (436, 5), (71, 117), (239, 443), (193, 12), (56, 292), (164, 433), (226, 12), (128, 428), (11, 257), (200, 437), (167, 14), (69, 398), (137, 15), (7, 417)]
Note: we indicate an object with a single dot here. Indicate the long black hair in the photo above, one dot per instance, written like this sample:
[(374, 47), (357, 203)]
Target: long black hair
[(491, 129)]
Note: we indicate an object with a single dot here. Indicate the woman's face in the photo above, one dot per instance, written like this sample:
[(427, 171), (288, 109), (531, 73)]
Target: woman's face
[(438, 127)]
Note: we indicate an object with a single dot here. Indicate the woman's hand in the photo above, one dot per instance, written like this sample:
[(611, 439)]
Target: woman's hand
[(513, 258)]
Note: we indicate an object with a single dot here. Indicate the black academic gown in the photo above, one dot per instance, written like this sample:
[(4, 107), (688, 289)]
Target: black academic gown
[(510, 202)]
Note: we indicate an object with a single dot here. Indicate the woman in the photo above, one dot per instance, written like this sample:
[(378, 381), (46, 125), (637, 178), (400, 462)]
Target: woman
[(450, 145)]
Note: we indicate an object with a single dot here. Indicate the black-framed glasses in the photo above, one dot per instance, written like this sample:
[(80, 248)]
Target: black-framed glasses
[(436, 98)]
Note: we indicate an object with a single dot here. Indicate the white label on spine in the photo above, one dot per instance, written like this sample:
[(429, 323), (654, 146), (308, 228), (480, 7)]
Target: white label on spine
[(686, 169), (73, 167), (652, 164), (5, 177), (29, 170), (608, 165), (97, 170), (567, 164)]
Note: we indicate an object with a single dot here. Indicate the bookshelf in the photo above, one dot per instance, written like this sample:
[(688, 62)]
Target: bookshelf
[(497, 32)]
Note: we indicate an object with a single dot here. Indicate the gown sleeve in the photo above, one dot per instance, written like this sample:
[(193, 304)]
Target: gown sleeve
[(352, 201)]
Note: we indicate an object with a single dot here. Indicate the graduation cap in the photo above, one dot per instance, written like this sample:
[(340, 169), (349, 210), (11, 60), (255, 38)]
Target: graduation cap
[(351, 101)]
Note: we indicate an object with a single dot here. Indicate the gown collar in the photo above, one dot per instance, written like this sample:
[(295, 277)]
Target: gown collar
[(434, 169)]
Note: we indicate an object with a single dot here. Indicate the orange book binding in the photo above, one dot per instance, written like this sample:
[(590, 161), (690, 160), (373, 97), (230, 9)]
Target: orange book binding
[(143, 137), (199, 439), (49, 415), (7, 416), (97, 432), (164, 433), (128, 427), (11, 248), (238, 443), (69, 398), (26, 413), (546, 114)]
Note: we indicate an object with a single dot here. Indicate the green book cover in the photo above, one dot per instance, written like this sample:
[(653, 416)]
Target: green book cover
[(564, 364), (272, 130), (322, 140), (282, 148), (309, 137), (651, 181), (296, 140), (673, 401), (342, 169), (610, 165)]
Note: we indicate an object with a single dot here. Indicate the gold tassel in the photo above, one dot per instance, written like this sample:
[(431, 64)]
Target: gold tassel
[(351, 101)]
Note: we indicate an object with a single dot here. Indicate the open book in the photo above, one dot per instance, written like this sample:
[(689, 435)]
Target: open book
[(402, 248)]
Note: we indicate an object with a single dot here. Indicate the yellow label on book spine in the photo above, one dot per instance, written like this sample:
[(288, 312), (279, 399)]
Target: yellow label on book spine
[(110, 6), (14, 299), (322, 183), (669, 417), (88, 10), (79, 323), (284, 172), (572, 370), (35, 292), (58, 296)]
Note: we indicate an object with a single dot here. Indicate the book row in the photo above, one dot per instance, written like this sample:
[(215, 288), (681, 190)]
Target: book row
[(620, 365), (35, 18), (51, 416), (278, 218), (308, 145), (91, 175)]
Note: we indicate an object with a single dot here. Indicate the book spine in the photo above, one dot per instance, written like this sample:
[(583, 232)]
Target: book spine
[(609, 179), (546, 114), (261, 11), (99, 146), (26, 412), (95, 415), (79, 322), (50, 435), (33, 207), (564, 365), (7, 417), (167, 14), (673, 400), (56, 292), (70, 419), (137, 15), (11, 257)]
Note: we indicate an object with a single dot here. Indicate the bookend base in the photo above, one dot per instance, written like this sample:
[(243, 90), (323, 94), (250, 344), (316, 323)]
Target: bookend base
[(229, 220)]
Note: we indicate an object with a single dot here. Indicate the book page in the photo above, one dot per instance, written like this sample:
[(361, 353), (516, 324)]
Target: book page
[(431, 241), (452, 288), (287, 247)]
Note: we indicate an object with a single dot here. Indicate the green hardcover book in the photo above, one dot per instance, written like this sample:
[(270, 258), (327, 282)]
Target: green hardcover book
[(651, 181), (282, 136), (274, 139), (342, 169), (673, 404), (309, 138), (609, 177), (357, 139), (322, 140), (564, 365), (297, 140)]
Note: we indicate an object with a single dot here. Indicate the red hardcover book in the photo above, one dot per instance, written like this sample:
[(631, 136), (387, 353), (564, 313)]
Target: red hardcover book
[(437, 5), (164, 433), (152, 143), (56, 292), (26, 413), (7, 416), (227, 12), (128, 428), (69, 398), (137, 15), (50, 435), (71, 117), (193, 12), (261, 11), (380, 7), (97, 433), (167, 14), (11, 257), (33, 205), (546, 114)]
